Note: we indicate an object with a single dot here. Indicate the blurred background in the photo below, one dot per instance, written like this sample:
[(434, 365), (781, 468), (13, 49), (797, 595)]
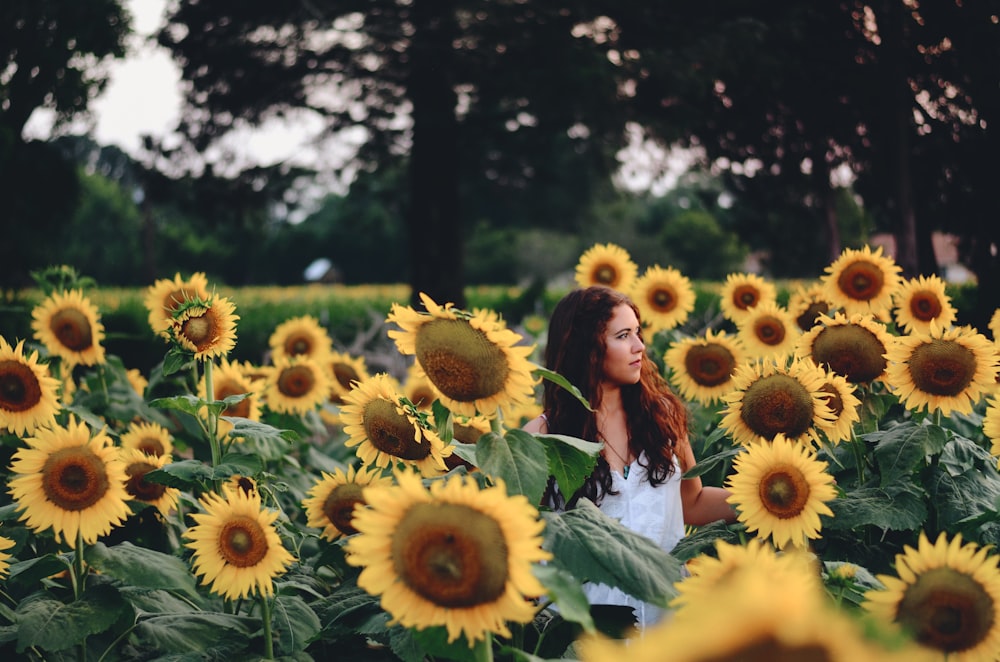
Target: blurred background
[(454, 143)]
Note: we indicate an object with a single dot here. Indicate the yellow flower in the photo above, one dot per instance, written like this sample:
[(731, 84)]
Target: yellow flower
[(606, 264), (236, 547), (386, 432), (854, 347), (665, 298), (300, 336), (946, 596), (70, 481), (297, 385), (148, 437), (780, 490), (165, 295), (771, 399), (332, 499), (347, 371), (451, 555), (5, 544), (742, 292), (473, 360), (991, 427), (862, 281), (228, 379), (206, 327), (28, 393), (703, 368), (843, 404), (418, 388), (922, 300), (807, 303), (137, 465), (67, 323), (943, 370), (767, 329), (994, 325), (137, 381)]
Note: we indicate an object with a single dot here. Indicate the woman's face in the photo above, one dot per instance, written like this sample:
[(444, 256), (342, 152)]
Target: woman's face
[(624, 348)]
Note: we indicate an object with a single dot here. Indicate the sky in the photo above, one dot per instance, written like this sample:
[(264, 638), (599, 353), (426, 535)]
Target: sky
[(143, 97)]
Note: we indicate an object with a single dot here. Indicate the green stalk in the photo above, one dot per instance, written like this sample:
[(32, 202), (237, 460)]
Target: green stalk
[(265, 613), (483, 650), (213, 422), (79, 567)]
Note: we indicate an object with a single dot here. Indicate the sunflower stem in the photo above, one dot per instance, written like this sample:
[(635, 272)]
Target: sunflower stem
[(483, 650), (213, 420), (265, 614), (79, 567)]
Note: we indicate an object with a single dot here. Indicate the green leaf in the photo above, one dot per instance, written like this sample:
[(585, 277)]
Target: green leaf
[(565, 591), (570, 459), (240, 464), (176, 360), (705, 465), (29, 573), (465, 451), (703, 540), (898, 509), (142, 567), (344, 609), (263, 433), (47, 623), (965, 489), (187, 403), (597, 548), (555, 377), (293, 624), (902, 449), (518, 458), (209, 634), (183, 474)]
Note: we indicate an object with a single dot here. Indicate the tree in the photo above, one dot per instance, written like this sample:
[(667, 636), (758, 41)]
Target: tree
[(53, 53)]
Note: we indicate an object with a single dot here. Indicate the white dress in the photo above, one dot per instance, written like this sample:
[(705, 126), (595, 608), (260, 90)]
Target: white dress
[(654, 512)]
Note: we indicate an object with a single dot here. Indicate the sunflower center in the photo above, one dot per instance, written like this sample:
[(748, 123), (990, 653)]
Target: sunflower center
[(345, 374), (392, 432), (709, 365), (925, 306), (242, 542), (769, 330), (745, 296), (452, 555), (851, 351), (242, 408), (784, 491), (834, 401), (298, 345), (812, 312), (201, 331), (947, 610), (296, 381), (339, 506), (663, 300), (74, 478), (768, 649), (19, 387), (862, 281), (777, 403), (605, 274), (462, 362), (72, 328), (423, 396), (138, 486), (942, 367), (151, 446)]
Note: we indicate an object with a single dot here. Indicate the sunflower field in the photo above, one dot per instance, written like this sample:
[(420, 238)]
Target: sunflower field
[(308, 507)]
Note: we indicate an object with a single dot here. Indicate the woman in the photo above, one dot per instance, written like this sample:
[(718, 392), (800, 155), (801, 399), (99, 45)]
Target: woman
[(595, 342)]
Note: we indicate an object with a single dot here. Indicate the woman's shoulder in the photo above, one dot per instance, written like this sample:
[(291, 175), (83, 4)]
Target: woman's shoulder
[(539, 424)]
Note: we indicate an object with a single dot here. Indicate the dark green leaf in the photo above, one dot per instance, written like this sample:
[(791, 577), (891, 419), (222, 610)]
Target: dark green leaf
[(187, 403), (47, 623), (518, 458), (205, 633), (28, 573), (176, 360), (251, 430), (703, 540), (142, 567), (705, 465), (898, 509), (902, 449), (293, 623), (184, 474), (555, 377), (566, 592), (570, 459)]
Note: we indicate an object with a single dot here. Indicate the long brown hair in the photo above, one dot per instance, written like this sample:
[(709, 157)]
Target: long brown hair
[(575, 348)]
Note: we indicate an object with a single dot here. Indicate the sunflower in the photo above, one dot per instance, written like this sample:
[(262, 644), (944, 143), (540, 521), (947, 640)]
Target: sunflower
[(474, 360), (257, 374), (347, 370), (994, 325), (296, 385), (28, 393), (664, 296), (768, 330), (743, 291), (853, 347), (386, 432), (69, 326), (943, 370), (450, 554), (844, 405), (229, 379), (300, 336), (771, 399), (137, 381), (165, 295), (606, 264), (418, 388), (702, 368), (137, 465), (709, 572), (991, 427), (921, 300), (946, 596), (150, 438), (206, 327), (331, 501), (236, 547), (806, 303), (5, 544), (70, 481), (862, 281), (780, 490)]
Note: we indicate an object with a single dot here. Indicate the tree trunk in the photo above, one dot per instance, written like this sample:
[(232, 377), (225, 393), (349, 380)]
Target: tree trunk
[(433, 221)]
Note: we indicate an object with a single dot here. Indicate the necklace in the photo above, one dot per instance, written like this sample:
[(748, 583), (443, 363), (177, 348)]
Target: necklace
[(625, 463)]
